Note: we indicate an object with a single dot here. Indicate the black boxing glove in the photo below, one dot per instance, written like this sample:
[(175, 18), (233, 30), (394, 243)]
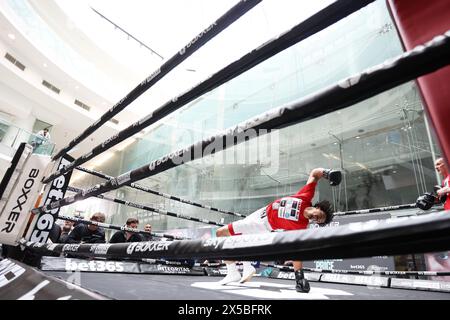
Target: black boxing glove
[(334, 176), (426, 201), (436, 188), (442, 198)]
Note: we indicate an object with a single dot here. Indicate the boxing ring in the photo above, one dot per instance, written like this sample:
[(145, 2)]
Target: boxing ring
[(101, 285), (118, 275)]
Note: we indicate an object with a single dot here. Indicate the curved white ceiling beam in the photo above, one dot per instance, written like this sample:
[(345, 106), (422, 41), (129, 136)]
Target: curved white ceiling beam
[(24, 96), (39, 44), (69, 32), (25, 51)]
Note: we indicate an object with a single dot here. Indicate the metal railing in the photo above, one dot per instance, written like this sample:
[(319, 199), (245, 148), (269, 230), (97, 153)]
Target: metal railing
[(11, 136)]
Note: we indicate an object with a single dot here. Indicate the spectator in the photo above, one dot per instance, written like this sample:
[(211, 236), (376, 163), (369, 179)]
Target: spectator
[(126, 236), (440, 261), (444, 191), (43, 136), (78, 216), (55, 234), (147, 236), (88, 233), (66, 229)]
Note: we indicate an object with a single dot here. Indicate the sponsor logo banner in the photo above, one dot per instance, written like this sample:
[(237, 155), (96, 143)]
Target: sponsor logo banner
[(352, 279), (80, 265), (290, 275), (285, 275), (213, 272), (9, 271), (420, 284), (71, 264), (358, 264), (71, 247), (100, 249), (198, 37), (137, 247), (56, 190), (248, 241), (95, 266), (16, 212), (164, 269), (26, 283)]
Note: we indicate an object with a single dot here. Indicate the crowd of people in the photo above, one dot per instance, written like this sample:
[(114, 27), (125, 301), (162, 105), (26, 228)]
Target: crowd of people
[(71, 232)]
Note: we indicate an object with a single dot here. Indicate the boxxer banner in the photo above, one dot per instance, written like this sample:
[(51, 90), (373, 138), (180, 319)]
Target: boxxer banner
[(42, 224), (16, 213)]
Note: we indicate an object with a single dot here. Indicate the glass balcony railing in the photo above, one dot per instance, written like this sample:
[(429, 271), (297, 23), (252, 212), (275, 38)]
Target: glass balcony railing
[(12, 136)]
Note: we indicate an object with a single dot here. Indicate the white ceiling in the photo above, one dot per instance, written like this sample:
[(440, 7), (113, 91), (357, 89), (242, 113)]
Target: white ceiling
[(165, 26)]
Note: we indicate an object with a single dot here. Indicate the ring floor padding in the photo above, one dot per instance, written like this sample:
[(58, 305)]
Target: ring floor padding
[(175, 287)]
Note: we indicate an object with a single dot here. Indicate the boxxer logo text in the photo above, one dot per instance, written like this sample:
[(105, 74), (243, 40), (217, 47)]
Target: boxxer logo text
[(152, 76), (107, 141), (21, 201), (147, 247), (199, 36), (263, 150)]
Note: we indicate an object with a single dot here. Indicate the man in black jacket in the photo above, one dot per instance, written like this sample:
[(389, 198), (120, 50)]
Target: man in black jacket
[(88, 233), (126, 236), (65, 231), (147, 236)]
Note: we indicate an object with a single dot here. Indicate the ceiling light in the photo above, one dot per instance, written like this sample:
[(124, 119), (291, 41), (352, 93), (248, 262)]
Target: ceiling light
[(11, 36), (77, 87), (358, 137), (45, 65)]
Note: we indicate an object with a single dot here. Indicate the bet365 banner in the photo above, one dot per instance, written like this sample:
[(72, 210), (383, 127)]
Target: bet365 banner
[(42, 224)]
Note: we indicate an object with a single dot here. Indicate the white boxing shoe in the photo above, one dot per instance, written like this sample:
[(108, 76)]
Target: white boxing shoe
[(232, 276), (247, 274)]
